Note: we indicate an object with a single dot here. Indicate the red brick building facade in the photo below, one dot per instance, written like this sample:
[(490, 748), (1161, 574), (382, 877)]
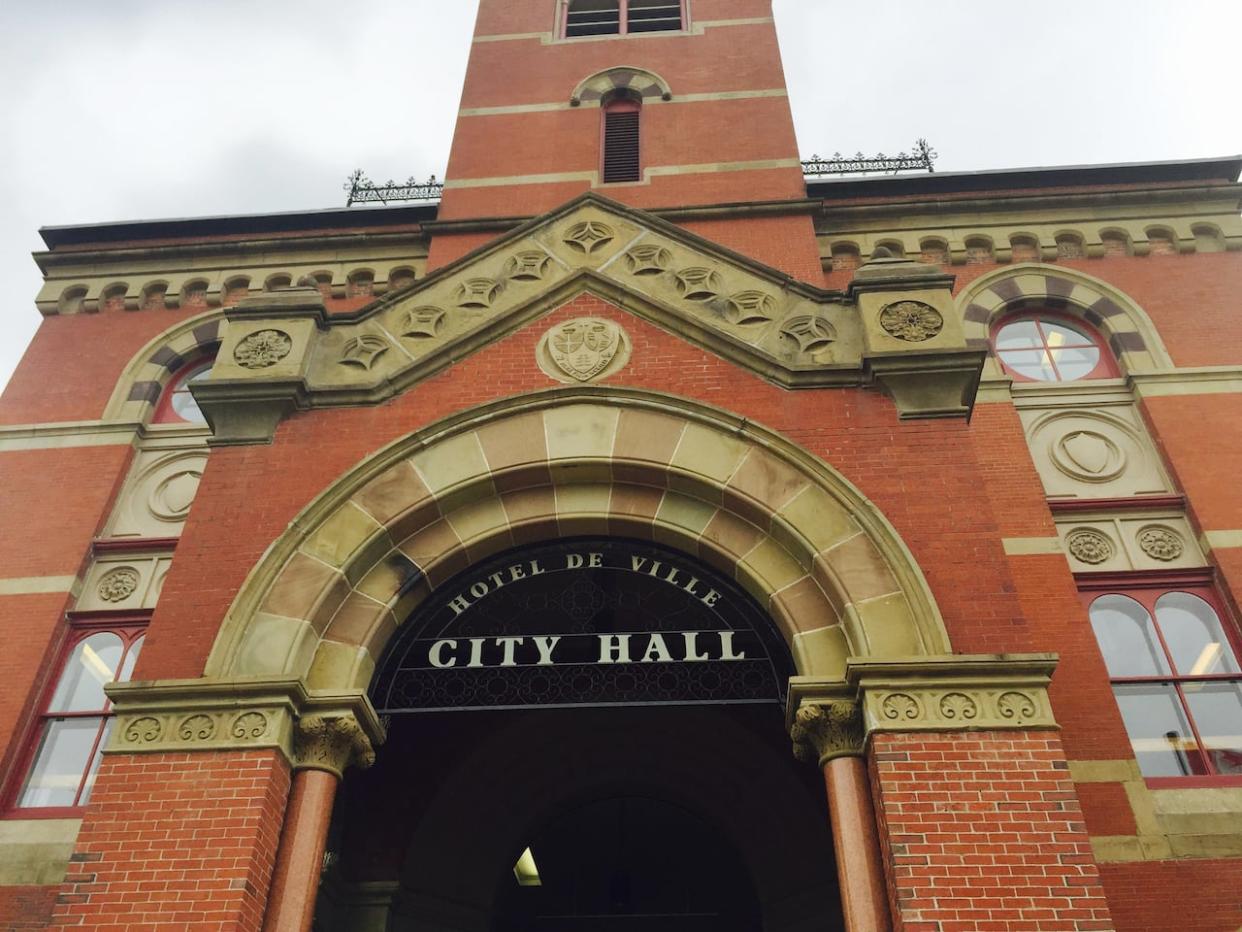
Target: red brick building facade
[(469, 565)]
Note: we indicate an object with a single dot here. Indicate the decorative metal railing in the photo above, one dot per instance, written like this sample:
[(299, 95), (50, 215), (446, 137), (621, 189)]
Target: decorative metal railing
[(923, 158), (362, 190)]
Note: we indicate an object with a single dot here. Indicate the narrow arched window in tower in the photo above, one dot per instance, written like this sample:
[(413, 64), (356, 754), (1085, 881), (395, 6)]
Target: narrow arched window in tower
[(622, 161)]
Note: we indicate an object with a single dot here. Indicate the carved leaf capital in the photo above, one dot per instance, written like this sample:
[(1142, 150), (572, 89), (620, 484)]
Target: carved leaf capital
[(821, 732), (331, 743)]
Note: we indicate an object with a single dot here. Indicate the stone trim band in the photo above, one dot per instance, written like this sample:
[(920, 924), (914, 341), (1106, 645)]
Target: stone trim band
[(315, 731), (827, 719)]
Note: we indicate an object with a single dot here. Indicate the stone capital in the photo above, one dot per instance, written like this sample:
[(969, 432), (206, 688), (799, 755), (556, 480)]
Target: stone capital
[(331, 742), (824, 731)]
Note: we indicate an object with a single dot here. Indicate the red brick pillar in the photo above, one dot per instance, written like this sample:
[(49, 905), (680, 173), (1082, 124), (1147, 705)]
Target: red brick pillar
[(177, 838), (976, 820), (979, 821), (185, 821)]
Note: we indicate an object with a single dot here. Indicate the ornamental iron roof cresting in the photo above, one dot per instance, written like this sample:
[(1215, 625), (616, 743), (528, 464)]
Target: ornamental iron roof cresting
[(362, 190)]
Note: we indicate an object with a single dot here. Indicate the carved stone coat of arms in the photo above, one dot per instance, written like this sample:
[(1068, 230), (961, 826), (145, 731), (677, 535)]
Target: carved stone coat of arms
[(583, 348)]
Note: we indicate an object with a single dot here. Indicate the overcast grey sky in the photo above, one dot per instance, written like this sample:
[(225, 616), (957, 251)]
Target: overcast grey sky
[(121, 109)]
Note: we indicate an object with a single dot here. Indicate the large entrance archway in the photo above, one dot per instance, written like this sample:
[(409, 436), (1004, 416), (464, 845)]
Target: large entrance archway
[(584, 734)]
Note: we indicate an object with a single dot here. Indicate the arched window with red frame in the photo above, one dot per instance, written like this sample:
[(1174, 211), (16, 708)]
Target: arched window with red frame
[(1172, 657), (76, 718), (622, 140), (1048, 346), (177, 404)]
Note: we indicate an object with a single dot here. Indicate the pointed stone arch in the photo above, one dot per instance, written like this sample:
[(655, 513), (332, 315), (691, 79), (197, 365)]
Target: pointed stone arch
[(1118, 317), (830, 570)]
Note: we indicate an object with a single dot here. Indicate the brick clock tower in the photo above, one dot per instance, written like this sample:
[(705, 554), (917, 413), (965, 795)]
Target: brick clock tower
[(469, 563)]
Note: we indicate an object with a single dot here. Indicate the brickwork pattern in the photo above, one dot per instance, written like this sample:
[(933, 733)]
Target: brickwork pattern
[(177, 841), (23, 908), (1175, 896), (983, 831)]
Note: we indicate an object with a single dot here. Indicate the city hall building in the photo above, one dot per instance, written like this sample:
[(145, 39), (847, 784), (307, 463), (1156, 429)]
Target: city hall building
[(652, 532)]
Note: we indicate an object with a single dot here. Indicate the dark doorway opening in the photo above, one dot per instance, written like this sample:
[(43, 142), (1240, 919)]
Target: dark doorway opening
[(629, 863)]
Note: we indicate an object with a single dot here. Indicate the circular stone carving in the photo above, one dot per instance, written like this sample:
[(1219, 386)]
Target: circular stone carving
[(911, 321), (583, 349), (1089, 546), (119, 584), (262, 349), (1161, 543)]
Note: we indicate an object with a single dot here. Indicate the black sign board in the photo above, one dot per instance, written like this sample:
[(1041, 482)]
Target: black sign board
[(585, 622)]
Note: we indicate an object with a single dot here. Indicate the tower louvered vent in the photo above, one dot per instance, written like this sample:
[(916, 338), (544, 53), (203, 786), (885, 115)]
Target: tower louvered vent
[(621, 146)]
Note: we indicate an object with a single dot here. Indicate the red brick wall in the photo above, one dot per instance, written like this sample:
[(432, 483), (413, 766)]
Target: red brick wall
[(983, 831), (1175, 896), (177, 841), (74, 363), (26, 907)]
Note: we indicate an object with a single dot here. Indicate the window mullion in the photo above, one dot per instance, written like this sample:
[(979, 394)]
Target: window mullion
[(1204, 757), (90, 759)]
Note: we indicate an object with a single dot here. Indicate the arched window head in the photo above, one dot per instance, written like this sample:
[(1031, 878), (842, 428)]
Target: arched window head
[(177, 404), (622, 149), (622, 17), (1043, 346)]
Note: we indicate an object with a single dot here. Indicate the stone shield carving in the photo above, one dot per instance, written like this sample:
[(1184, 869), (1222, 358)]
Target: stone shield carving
[(583, 349)]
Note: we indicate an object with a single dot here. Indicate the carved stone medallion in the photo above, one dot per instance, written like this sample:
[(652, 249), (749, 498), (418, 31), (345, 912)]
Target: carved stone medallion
[(1089, 546), (589, 235), (583, 349), (811, 332), (363, 351), (750, 307), (1161, 543), (528, 266), (698, 284), (911, 321), (119, 584), (262, 349), (648, 260), (422, 322)]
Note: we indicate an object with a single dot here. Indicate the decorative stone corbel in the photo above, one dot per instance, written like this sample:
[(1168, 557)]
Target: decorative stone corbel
[(259, 376), (913, 342), (331, 742)]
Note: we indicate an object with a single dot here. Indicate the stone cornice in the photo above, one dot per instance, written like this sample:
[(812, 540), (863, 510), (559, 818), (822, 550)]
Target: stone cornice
[(984, 692), (857, 208), (316, 731)]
